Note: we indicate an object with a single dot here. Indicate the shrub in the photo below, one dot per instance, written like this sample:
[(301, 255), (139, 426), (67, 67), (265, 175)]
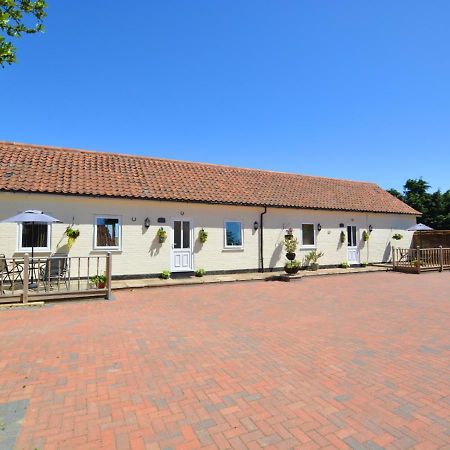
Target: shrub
[(162, 234), (292, 264), (200, 272), (203, 236), (342, 237), (291, 244), (165, 274), (365, 236), (364, 264), (312, 257), (344, 265)]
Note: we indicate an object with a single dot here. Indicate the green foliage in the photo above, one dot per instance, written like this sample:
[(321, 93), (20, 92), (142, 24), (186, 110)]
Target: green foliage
[(365, 236), (162, 234), (364, 264), (312, 257), (397, 236), (435, 207), (203, 236), (72, 234), (200, 272), (290, 244), (292, 264), (98, 279), (165, 274), (344, 265), (18, 17), (342, 237)]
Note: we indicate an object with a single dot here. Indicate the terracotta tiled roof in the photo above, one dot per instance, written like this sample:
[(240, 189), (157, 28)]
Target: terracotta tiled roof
[(31, 168)]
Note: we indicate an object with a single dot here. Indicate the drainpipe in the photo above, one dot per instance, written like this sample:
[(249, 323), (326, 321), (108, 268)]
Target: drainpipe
[(261, 238)]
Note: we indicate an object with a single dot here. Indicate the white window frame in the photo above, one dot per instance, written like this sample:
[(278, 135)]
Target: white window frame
[(314, 234), (107, 216), (232, 247), (36, 249)]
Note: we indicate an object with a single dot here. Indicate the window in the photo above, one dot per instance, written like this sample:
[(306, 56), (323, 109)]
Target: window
[(351, 236), (308, 235), (35, 235), (233, 234), (107, 233)]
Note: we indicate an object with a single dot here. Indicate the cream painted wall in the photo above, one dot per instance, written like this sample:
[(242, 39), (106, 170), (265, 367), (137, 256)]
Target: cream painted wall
[(142, 253)]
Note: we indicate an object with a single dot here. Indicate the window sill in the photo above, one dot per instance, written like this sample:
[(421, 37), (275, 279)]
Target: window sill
[(308, 247), (107, 249), (230, 249)]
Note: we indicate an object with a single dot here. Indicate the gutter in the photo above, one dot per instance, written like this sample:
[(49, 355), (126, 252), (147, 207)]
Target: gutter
[(261, 239)]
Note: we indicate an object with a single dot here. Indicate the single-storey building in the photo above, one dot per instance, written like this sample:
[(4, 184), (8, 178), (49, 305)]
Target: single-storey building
[(124, 204)]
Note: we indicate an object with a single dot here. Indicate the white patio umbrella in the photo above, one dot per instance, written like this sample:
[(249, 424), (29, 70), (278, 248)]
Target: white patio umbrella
[(31, 217), (420, 227)]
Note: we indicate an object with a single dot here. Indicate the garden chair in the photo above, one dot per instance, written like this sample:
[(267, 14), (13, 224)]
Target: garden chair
[(54, 271), (10, 274)]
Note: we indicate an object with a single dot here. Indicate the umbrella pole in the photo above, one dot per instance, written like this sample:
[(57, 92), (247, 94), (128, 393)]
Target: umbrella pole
[(32, 253)]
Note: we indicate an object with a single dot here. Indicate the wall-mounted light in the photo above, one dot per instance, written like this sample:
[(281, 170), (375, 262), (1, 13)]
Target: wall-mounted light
[(255, 225), (341, 225), (319, 227), (146, 222), (370, 228)]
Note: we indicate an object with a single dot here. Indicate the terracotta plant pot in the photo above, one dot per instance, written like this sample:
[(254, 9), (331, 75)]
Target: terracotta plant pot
[(101, 285), (290, 256)]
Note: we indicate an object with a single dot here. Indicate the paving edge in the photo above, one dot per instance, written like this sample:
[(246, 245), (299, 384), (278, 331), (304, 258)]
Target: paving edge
[(273, 275), (21, 305)]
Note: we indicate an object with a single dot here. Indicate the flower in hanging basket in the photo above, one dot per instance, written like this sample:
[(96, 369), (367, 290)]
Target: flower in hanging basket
[(72, 234), (162, 234), (342, 237), (397, 236), (365, 236), (202, 236)]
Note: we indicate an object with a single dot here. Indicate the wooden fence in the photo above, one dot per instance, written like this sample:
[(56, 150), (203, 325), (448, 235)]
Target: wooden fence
[(416, 260), (54, 278)]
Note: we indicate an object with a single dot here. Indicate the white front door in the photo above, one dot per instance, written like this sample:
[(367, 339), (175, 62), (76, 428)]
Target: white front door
[(352, 245), (182, 234)]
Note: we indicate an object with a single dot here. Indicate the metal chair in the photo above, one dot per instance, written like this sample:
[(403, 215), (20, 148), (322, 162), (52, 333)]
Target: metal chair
[(54, 271), (9, 274)]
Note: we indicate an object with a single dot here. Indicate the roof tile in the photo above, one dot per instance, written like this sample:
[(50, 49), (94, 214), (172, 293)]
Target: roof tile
[(32, 168)]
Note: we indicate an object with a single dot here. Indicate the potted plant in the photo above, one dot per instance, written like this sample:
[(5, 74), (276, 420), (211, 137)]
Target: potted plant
[(311, 259), (165, 274), (289, 234), (162, 235), (342, 237), (397, 236), (200, 272), (344, 265), (290, 245), (365, 236), (72, 235), (292, 267), (202, 236), (364, 264), (99, 281)]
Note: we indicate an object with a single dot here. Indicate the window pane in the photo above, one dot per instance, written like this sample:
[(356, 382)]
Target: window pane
[(177, 234), (308, 234), (107, 232), (233, 234), (349, 236), (34, 235), (186, 235)]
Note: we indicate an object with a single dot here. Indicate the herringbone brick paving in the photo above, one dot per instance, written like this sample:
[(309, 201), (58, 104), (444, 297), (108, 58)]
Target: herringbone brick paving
[(352, 361)]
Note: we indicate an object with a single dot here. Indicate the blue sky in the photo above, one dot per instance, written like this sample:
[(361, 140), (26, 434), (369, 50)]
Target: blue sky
[(346, 89)]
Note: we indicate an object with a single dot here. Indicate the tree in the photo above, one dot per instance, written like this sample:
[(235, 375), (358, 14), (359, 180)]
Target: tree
[(435, 207), (18, 17)]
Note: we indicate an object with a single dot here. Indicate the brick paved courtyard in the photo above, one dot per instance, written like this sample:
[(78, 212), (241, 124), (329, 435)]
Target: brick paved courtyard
[(351, 361)]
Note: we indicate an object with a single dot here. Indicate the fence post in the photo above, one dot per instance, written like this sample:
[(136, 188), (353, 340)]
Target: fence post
[(108, 275), (393, 258), (441, 259), (418, 259), (26, 277)]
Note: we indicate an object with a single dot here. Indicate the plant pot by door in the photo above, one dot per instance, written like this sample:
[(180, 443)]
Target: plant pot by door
[(101, 285), (313, 266), (290, 256)]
